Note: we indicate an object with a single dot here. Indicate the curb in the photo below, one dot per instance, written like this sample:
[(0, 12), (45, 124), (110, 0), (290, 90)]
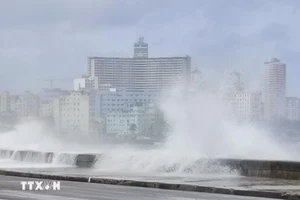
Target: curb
[(157, 185)]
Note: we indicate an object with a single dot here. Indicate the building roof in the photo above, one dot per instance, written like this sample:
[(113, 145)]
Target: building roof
[(155, 58), (273, 60)]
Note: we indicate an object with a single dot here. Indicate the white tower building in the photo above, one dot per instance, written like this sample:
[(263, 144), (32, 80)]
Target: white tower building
[(275, 89)]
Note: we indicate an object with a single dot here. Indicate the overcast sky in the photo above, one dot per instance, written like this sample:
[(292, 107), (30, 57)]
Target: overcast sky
[(51, 39)]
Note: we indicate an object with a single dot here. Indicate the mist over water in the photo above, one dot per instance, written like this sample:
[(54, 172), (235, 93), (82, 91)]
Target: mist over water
[(201, 126)]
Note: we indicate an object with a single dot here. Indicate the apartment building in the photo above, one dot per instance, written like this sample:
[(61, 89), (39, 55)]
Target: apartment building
[(293, 108), (140, 72), (75, 113)]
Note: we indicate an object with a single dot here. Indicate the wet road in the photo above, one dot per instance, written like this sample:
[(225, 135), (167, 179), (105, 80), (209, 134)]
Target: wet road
[(10, 189)]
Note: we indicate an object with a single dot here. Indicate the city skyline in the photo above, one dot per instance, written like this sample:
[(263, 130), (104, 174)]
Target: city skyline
[(138, 56), (40, 46), (178, 96)]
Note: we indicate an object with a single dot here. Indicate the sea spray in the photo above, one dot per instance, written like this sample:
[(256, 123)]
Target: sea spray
[(201, 127)]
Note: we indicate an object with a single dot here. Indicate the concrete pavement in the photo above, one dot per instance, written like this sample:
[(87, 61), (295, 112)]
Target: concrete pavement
[(10, 189), (232, 181)]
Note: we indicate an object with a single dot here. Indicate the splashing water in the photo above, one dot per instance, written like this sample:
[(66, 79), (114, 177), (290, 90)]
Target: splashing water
[(201, 127)]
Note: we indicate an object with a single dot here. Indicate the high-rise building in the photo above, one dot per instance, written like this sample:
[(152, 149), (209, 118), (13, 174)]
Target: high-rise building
[(293, 108), (140, 72), (275, 89)]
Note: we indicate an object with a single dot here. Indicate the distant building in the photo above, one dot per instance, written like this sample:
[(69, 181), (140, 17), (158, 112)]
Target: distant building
[(140, 72), (247, 105), (234, 84), (75, 113), (293, 108), (26, 105), (275, 89), (117, 100), (106, 88), (46, 109), (79, 83), (50, 94), (86, 82), (47, 97), (133, 121), (5, 102)]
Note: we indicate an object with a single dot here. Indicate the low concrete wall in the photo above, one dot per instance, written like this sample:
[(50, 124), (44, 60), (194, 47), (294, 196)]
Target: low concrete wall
[(33, 156), (258, 168), (85, 160), (80, 160), (157, 185), (264, 168)]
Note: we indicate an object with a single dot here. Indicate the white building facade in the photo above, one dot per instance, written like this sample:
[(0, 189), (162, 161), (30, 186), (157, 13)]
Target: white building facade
[(75, 113), (47, 97), (5, 102), (86, 82), (46, 109), (247, 105), (140, 72), (137, 120), (25, 105), (116, 100), (293, 108), (275, 89)]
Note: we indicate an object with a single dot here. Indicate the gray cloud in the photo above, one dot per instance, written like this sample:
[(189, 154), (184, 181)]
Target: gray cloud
[(51, 39)]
